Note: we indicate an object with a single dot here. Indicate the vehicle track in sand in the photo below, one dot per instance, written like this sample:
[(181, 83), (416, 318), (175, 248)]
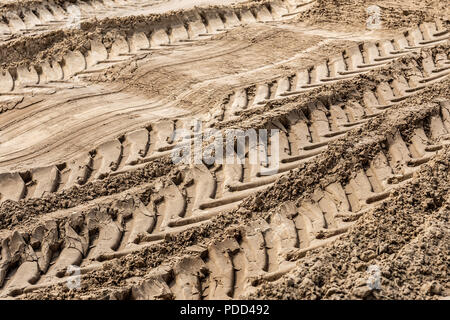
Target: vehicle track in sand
[(72, 96), (265, 249), (134, 147), (34, 17), (355, 126), (199, 194), (157, 139)]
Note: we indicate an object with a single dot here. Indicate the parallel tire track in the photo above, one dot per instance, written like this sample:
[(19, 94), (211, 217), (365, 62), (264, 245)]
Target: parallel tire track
[(197, 25), (223, 270), (303, 135), (32, 18), (267, 249), (38, 255), (355, 60)]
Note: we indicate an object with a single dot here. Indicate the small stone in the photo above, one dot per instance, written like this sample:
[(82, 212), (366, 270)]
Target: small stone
[(290, 282), (431, 287), (361, 292), (368, 255), (360, 267), (332, 291), (307, 283)]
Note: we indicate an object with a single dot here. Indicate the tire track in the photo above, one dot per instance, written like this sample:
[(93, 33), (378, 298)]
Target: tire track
[(224, 270), (263, 249), (32, 18), (355, 60), (197, 25), (303, 135)]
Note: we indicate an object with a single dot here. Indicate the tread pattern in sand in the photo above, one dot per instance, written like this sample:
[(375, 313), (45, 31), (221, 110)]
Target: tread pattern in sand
[(353, 61), (226, 269), (198, 25), (303, 135)]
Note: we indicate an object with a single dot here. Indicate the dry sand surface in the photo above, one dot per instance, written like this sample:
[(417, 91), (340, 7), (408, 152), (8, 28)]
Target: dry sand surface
[(93, 93)]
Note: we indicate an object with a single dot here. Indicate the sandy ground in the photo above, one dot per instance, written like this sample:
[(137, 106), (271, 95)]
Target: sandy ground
[(87, 116)]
